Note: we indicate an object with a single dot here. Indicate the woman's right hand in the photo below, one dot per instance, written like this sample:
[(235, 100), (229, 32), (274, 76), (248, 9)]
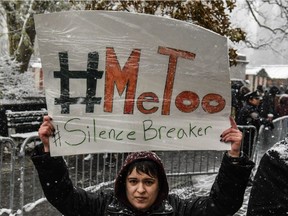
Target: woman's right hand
[(45, 131)]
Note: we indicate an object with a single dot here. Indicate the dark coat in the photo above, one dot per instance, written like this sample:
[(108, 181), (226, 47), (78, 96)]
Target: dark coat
[(226, 195), (249, 115), (282, 107), (269, 193)]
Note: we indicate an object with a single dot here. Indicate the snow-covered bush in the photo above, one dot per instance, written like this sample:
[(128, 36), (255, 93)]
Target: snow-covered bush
[(15, 85)]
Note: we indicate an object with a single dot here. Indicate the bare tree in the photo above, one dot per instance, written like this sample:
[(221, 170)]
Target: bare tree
[(21, 29), (271, 17)]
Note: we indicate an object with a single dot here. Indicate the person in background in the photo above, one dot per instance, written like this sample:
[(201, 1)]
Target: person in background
[(269, 193), (282, 107), (249, 115), (260, 90), (141, 187), (235, 102), (269, 102), (238, 100), (281, 89), (244, 90)]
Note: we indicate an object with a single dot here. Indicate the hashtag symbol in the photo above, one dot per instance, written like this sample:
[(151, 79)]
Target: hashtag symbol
[(91, 75), (57, 137)]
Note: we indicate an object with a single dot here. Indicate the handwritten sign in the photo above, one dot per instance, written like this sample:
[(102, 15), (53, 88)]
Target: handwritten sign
[(121, 82)]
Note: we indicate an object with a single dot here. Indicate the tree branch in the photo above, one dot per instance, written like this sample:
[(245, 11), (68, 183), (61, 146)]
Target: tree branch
[(23, 31), (274, 31)]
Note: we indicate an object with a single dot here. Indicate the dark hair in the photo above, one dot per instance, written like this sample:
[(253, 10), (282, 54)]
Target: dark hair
[(274, 90), (145, 166), (244, 90), (144, 162)]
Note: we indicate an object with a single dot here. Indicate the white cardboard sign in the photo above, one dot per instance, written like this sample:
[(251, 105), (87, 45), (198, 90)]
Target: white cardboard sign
[(122, 82)]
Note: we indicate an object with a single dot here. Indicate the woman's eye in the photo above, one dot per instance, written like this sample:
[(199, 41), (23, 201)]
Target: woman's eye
[(149, 183), (132, 181)]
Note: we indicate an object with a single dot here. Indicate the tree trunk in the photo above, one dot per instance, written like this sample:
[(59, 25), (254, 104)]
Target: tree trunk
[(21, 52)]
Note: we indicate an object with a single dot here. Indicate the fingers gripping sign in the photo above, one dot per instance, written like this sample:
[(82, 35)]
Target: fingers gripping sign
[(45, 131), (234, 136)]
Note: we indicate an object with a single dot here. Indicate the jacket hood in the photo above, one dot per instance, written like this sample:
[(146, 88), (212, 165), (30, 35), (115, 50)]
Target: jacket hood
[(120, 188)]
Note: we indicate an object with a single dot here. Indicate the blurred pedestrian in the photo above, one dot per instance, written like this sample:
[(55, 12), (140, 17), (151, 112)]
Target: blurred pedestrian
[(235, 88), (269, 102), (238, 100), (282, 107), (244, 90), (260, 90)]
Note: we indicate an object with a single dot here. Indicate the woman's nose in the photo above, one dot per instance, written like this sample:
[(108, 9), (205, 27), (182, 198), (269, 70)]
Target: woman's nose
[(141, 188)]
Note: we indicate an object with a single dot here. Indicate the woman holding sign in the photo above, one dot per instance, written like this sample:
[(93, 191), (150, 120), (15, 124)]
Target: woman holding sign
[(141, 187)]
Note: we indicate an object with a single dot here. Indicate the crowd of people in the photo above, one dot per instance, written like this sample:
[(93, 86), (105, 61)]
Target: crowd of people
[(272, 101), (256, 108)]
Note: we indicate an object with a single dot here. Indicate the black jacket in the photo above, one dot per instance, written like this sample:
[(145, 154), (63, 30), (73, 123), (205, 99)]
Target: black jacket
[(269, 194), (249, 115), (225, 198)]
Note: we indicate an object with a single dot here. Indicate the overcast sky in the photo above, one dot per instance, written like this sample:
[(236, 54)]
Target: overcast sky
[(243, 19)]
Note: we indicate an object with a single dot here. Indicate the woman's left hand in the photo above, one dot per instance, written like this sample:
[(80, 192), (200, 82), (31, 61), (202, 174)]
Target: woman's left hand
[(233, 135)]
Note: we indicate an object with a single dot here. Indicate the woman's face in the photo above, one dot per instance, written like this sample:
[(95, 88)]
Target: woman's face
[(141, 190)]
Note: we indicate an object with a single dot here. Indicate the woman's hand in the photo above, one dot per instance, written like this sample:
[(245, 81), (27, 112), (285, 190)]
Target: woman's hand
[(45, 131), (233, 135)]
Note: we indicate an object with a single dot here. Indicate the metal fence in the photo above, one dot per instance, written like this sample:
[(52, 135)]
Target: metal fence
[(20, 189), (7, 174), (267, 138)]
